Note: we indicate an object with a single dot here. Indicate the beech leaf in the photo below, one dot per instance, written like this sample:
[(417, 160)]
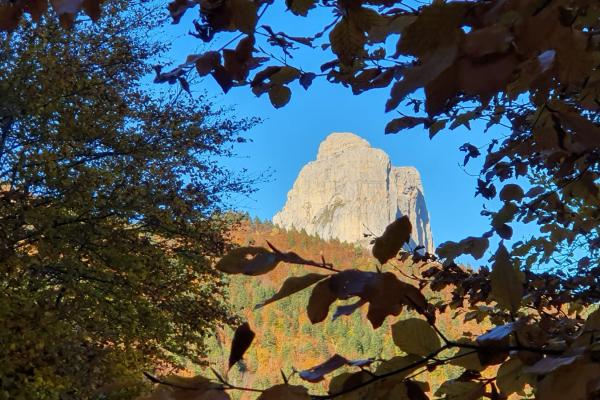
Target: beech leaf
[(242, 339), (507, 281), (248, 261), (317, 373), (396, 235), (415, 336), (285, 391), (511, 192), (279, 95), (319, 302), (293, 285)]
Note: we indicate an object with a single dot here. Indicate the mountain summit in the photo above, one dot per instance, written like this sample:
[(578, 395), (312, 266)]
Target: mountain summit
[(352, 189)]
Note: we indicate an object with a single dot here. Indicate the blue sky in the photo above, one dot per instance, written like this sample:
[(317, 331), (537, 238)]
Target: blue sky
[(289, 138)]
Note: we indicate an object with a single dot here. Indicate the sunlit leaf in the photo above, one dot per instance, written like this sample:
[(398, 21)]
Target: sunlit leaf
[(415, 336)]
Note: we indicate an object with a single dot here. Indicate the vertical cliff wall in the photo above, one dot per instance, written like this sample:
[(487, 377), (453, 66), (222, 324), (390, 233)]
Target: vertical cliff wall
[(352, 189)]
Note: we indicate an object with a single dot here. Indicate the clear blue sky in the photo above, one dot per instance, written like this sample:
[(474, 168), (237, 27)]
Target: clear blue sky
[(289, 138)]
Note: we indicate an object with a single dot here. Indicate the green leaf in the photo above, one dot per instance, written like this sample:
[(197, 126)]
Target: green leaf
[(507, 281), (415, 336), (293, 285), (396, 235)]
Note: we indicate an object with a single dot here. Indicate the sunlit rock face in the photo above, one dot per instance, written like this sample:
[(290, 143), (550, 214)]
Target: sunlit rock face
[(352, 189)]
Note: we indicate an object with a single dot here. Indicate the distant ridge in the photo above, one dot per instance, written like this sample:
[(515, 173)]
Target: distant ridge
[(352, 189)]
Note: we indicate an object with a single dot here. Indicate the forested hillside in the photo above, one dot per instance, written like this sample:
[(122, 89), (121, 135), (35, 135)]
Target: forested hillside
[(286, 339)]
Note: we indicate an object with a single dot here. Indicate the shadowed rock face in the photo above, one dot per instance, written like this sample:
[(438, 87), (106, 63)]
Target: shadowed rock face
[(352, 189)]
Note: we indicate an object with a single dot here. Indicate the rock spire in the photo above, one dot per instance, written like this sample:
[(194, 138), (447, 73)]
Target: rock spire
[(352, 189)]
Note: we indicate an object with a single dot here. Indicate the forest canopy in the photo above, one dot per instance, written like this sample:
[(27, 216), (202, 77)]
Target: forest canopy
[(112, 208)]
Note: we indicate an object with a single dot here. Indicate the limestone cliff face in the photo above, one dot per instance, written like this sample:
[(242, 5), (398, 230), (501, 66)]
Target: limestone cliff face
[(352, 189)]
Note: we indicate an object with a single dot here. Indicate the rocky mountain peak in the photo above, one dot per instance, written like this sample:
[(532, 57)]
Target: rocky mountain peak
[(352, 189)]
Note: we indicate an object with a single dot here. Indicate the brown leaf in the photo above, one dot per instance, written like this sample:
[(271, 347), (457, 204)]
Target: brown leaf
[(244, 15), (437, 26), (279, 95), (486, 79), (284, 75), (248, 261), (396, 235), (488, 40), (207, 62), (415, 391), (319, 302), (223, 78), (350, 282), (399, 124), (347, 41), (306, 79), (293, 285), (285, 392), (317, 373), (475, 246), (300, 7), (242, 339), (511, 192), (507, 281), (549, 364), (421, 75), (177, 9), (263, 75)]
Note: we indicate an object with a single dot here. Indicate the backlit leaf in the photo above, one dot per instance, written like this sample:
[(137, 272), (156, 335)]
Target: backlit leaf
[(248, 261), (279, 95), (456, 390), (511, 192), (507, 281), (319, 302), (415, 336), (293, 285), (396, 235), (285, 392), (318, 372), (242, 339)]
